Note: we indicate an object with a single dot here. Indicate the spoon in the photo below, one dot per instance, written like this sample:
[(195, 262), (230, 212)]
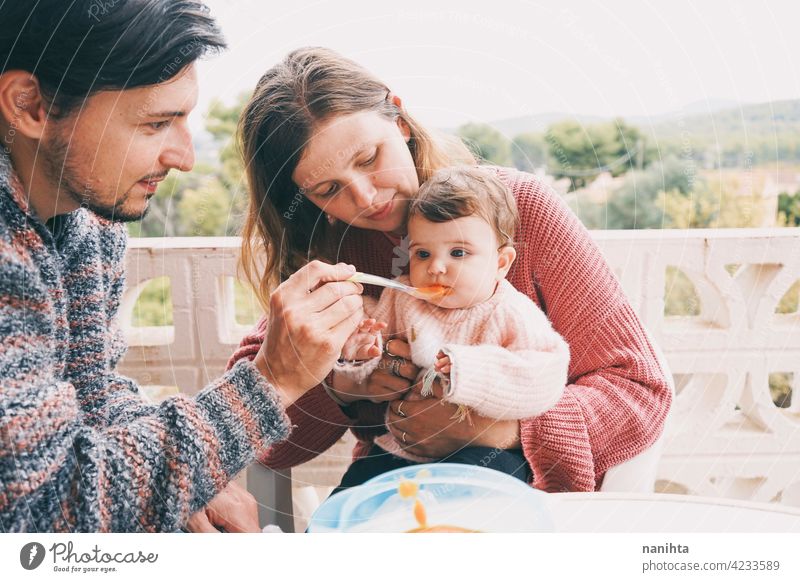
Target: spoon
[(430, 292)]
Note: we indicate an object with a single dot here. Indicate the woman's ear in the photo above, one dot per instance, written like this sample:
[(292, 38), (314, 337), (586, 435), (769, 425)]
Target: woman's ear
[(505, 258), (405, 129), (21, 105)]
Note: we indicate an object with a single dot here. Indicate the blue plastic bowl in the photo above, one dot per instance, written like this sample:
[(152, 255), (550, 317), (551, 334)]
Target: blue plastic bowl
[(462, 496)]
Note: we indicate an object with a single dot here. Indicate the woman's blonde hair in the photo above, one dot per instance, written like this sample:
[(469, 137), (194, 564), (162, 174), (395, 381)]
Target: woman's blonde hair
[(283, 230)]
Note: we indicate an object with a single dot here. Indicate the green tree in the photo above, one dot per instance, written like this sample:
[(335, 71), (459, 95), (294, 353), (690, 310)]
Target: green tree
[(486, 142), (789, 209), (630, 152), (579, 152), (529, 152), (582, 152), (206, 210), (636, 203), (221, 123), (711, 204)]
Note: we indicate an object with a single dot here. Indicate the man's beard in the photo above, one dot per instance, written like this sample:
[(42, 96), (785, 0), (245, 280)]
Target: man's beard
[(60, 169)]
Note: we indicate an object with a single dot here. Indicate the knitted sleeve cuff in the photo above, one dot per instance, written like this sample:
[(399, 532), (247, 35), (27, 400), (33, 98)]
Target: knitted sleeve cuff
[(246, 413), (357, 370)]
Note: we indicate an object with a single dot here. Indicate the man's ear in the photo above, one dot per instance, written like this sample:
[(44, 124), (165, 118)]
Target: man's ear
[(22, 106), (505, 258)]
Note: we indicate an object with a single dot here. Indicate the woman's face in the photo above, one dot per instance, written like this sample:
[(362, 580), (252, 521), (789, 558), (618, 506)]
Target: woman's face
[(358, 169)]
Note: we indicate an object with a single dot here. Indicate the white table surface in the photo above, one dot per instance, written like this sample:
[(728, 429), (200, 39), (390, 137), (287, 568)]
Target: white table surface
[(628, 513)]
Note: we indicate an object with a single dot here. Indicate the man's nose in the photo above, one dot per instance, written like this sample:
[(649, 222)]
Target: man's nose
[(179, 153)]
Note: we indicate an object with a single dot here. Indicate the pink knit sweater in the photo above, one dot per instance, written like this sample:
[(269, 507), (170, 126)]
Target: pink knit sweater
[(616, 398), (506, 337)]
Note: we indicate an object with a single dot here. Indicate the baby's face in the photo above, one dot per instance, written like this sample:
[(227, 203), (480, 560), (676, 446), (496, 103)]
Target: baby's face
[(461, 254)]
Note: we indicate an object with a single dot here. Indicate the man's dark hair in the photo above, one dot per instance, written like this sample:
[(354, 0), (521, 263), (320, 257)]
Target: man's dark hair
[(76, 48)]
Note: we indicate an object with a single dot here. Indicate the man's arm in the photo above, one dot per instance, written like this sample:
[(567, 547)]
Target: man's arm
[(150, 472)]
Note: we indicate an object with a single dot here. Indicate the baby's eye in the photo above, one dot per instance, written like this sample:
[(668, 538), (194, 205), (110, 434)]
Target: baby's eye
[(458, 253), (422, 254)]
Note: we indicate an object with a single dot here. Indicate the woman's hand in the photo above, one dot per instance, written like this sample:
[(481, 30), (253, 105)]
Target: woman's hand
[(390, 381), (426, 426), (233, 509), (311, 315)]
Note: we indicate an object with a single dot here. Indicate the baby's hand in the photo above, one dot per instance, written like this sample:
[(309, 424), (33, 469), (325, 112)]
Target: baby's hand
[(442, 364), (365, 343)]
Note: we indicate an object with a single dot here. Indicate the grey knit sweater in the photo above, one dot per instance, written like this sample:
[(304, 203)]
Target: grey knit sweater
[(80, 450)]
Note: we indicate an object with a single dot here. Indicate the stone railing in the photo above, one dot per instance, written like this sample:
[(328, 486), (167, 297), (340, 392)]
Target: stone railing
[(725, 436), (195, 349)]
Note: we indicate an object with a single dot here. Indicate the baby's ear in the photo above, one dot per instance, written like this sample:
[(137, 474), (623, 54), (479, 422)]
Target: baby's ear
[(505, 258)]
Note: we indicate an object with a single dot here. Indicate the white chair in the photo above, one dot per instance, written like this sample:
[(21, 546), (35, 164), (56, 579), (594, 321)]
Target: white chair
[(273, 492)]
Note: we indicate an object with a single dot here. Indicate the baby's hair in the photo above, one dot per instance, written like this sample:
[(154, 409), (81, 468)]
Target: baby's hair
[(461, 191)]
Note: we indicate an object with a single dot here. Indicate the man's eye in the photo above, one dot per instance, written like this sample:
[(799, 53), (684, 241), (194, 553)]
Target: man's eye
[(156, 125), (458, 253), (423, 254)]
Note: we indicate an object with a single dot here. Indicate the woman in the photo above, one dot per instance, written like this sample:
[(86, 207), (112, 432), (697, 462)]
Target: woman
[(332, 159)]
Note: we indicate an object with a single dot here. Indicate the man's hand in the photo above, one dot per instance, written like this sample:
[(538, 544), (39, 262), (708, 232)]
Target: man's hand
[(311, 315), (233, 509)]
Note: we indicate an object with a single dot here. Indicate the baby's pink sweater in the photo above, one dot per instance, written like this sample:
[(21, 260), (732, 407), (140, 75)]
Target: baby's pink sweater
[(507, 361)]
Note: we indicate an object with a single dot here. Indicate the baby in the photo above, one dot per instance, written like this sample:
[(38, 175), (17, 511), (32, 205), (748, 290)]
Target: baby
[(478, 328)]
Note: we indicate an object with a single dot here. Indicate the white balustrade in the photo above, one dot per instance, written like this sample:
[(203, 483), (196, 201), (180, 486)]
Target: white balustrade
[(204, 334), (725, 436)]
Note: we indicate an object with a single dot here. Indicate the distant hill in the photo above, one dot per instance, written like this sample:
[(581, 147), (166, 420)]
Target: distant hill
[(716, 115), (746, 121), (743, 136), (539, 123), (715, 132)]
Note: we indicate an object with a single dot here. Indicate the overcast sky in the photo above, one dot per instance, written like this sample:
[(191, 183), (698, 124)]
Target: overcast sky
[(465, 60)]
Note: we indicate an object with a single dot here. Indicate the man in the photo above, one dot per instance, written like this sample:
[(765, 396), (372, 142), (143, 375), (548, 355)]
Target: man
[(94, 99)]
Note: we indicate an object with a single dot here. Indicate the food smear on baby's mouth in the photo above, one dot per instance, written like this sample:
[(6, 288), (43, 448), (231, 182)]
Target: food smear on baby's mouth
[(435, 291)]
